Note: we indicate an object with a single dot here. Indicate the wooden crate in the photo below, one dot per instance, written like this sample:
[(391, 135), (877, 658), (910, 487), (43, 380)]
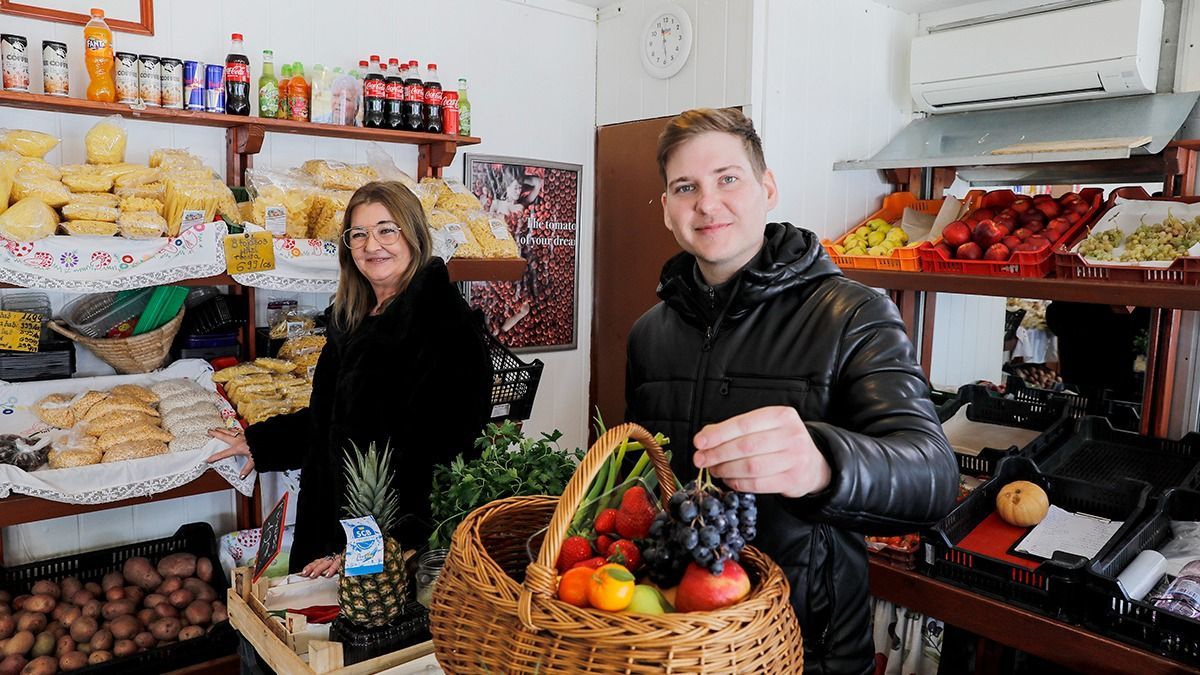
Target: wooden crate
[(281, 644)]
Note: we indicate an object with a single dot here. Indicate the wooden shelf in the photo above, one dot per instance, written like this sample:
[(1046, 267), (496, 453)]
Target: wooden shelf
[(480, 269), (1099, 292)]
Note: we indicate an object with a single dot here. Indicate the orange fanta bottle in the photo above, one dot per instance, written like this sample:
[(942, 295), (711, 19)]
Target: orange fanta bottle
[(98, 58)]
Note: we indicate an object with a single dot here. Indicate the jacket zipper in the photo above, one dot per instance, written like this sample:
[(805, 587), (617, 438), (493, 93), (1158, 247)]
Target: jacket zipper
[(831, 591)]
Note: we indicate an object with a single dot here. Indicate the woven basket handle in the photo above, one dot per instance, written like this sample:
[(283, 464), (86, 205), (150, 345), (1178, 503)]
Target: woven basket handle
[(540, 575), (61, 328)]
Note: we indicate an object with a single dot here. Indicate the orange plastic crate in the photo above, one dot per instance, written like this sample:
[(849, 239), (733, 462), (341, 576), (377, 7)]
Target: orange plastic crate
[(905, 259)]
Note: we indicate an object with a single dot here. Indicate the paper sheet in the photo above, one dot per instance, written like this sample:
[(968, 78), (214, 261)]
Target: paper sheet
[(1061, 530), (970, 438)]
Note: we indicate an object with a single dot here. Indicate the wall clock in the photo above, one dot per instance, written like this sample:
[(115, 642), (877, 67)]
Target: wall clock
[(666, 41)]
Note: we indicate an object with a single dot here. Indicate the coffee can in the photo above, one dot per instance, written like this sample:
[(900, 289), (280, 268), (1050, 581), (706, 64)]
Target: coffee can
[(14, 62), (149, 80), (214, 88), (126, 66), (193, 84), (55, 75), (172, 83)]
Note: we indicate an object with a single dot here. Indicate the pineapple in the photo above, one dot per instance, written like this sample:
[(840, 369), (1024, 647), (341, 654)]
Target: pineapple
[(373, 600)]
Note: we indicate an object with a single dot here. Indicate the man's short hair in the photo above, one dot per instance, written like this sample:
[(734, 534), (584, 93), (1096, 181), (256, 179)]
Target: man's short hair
[(688, 125)]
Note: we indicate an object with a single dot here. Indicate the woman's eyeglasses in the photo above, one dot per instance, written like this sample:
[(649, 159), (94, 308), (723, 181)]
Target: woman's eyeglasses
[(386, 234)]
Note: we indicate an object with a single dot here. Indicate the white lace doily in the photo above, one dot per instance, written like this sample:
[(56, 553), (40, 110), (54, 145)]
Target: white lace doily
[(301, 265), (102, 483)]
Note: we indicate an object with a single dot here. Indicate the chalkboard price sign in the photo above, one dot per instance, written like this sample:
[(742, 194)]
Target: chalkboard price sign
[(271, 539)]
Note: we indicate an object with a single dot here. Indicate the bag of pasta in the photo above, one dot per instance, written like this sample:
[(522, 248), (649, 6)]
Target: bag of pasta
[(96, 199), (32, 166), (142, 175), (493, 236), (175, 158), (105, 141), (227, 204), (453, 227), (141, 225), (385, 168), (282, 201), (140, 204), (457, 199), (80, 211), (27, 143), (48, 190), (328, 211), (8, 169), (87, 181), (333, 175), (29, 219), (188, 203)]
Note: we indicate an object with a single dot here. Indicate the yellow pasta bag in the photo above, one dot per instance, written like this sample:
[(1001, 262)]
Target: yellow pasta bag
[(493, 236), (105, 141), (29, 219), (329, 207), (142, 225), (115, 171), (140, 204), (176, 158), (155, 190), (452, 227), (93, 228), (138, 176), (338, 175), (438, 185), (190, 202), (48, 190), (458, 200), (227, 205), (283, 201), (94, 198), (77, 211), (87, 182), (27, 143), (8, 169), (32, 166)]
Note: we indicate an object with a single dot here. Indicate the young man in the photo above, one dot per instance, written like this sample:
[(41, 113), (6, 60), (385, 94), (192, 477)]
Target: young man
[(782, 377)]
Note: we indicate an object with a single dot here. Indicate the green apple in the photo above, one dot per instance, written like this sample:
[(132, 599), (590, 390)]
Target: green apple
[(648, 600)]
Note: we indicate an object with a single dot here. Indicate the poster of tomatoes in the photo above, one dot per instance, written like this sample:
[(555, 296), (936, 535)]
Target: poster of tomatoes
[(540, 204)]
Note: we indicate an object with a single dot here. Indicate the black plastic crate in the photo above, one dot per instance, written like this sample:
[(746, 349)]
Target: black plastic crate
[(514, 382), (1077, 405), (1112, 613), (1048, 417), (1012, 321), (55, 359), (1099, 454), (1053, 588), (196, 538), (214, 315)]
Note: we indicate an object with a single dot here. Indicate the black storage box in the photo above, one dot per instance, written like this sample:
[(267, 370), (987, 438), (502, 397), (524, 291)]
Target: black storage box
[(1048, 417)]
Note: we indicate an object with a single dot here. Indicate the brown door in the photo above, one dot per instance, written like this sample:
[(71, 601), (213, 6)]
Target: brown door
[(631, 246)]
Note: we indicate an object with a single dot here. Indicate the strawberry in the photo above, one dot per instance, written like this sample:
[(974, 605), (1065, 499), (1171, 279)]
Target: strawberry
[(625, 552), (606, 522), (636, 514), (573, 550), (594, 563)]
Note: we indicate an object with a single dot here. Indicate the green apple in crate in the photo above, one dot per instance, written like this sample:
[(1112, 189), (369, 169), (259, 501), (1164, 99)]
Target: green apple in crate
[(373, 600)]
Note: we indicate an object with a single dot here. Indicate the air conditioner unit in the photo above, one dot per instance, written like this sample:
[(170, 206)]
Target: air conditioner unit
[(1088, 51)]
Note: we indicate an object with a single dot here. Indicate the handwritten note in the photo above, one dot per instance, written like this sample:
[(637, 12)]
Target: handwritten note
[(271, 539), (249, 252), (20, 331), (1068, 532)]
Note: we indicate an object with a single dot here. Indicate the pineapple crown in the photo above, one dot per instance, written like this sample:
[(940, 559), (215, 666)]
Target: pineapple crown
[(369, 485)]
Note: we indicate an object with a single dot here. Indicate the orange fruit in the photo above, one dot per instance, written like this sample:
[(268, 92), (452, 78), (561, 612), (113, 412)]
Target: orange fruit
[(573, 588), (611, 588)]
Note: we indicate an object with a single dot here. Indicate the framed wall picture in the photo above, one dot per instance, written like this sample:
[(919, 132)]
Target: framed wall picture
[(540, 203), (128, 16)]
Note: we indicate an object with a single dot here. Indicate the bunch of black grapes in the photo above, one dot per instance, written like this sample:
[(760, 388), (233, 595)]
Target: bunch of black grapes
[(704, 525)]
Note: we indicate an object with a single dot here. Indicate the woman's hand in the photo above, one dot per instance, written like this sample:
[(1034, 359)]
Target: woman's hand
[(237, 446), (323, 567)]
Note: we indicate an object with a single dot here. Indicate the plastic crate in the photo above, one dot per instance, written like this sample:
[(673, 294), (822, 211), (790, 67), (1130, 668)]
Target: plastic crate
[(55, 359), (1077, 405), (1025, 264), (1183, 272), (904, 259), (197, 538), (1049, 417), (1112, 613), (514, 382), (1100, 454), (1053, 588), (213, 315), (95, 314)]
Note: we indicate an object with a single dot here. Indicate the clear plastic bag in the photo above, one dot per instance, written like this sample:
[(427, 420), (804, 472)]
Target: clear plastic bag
[(48, 190), (78, 211), (27, 143), (381, 162), (82, 181), (141, 225), (456, 231), (288, 320), (29, 219), (332, 175), (492, 234), (327, 214), (282, 201), (105, 141), (175, 158)]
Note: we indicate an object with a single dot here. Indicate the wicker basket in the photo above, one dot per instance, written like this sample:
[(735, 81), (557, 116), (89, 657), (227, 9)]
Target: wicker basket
[(493, 612), (136, 354)]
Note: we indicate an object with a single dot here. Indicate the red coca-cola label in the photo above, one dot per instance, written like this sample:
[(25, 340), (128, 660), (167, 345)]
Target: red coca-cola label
[(433, 96), (414, 92), (394, 91), (237, 72), (450, 101), (374, 88)]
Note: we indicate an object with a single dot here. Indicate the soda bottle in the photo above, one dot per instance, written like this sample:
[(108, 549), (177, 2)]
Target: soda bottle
[(298, 93), (285, 95), (414, 99), (98, 57), (464, 109), (433, 101), (358, 75), (268, 87), (394, 94), (322, 95), (237, 79), (345, 97), (374, 96)]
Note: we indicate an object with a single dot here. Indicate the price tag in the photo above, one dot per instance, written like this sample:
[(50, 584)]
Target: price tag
[(191, 218), (20, 331), (249, 252), (276, 217), (456, 233), (499, 229), (271, 537)]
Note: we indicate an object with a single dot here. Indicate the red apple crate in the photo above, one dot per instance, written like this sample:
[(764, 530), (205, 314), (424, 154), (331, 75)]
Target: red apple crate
[(1027, 264), (1184, 271), (903, 259)]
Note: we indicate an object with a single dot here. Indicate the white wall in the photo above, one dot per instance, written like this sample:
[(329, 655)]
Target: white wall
[(531, 65)]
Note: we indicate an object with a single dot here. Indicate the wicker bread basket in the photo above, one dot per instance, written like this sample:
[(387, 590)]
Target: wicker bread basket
[(135, 354), (494, 612)]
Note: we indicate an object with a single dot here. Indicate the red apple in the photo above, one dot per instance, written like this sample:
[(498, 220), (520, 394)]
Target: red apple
[(945, 250), (1052, 235), (1073, 217), (997, 199), (956, 233), (969, 251), (1022, 204), (701, 590), (1060, 224), (1008, 214), (984, 214), (1079, 206), (987, 233), (1023, 233), (1049, 208), (1034, 226), (1038, 199), (1032, 215), (1011, 241), (1038, 241), (1068, 197), (997, 252)]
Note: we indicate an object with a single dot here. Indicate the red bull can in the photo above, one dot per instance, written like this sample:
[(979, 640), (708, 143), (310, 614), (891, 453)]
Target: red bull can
[(194, 83), (214, 100)]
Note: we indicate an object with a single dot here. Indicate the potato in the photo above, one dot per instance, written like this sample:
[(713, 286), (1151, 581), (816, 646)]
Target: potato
[(80, 598), (46, 588), (147, 616), (166, 610), (18, 602), (181, 598), (42, 665), (85, 648), (64, 645), (43, 604), (100, 657), (134, 595), (139, 572), (169, 585), (219, 612), (8, 626), (190, 632), (199, 612), (200, 589), (91, 608), (20, 643), (56, 630), (83, 629), (33, 622), (204, 570), (94, 588), (165, 629), (12, 665), (144, 640), (178, 565), (117, 608), (70, 586), (43, 645), (69, 615), (72, 661), (111, 580), (102, 640), (124, 648), (114, 593), (125, 627), (154, 599)]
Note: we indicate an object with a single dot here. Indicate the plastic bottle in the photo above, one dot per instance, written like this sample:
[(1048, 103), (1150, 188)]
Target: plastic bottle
[(345, 97), (433, 101), (359, 75), (237, 78), (394, 94), (98, 59), (298, 93), (285, 93), (268, 87), (374, 97), (414, 99), (464, 109), (322, 95)]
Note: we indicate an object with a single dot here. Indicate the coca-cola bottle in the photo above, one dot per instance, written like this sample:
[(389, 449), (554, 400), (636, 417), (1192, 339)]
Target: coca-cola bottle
[(433, 101), (237, 79), (394, 93), (374, 96), (414, 99)]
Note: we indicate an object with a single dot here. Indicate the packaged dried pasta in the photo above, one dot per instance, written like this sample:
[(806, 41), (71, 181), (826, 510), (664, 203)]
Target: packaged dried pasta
[(29, 219), (385, 168), (493, 236), (77, 211), (105, 141), (282, 201), (333, 175), (190, 203), (457, 199), (452, 227), (48, 190), (90, 228), (227, 205), (156, 190), (32, 166), (327, 213), (115, 171), (8, 169), (95, 198), (87, 182), (438, 185), (141, 225), (176, 158), (287, 320), (139, 204), (139, 176), (27, 143)]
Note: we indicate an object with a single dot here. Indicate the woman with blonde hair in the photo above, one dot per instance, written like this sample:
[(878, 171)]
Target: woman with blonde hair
[(405, 363)]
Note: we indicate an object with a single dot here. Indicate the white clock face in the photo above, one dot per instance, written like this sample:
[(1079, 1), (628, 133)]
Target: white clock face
[(665, 41)]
